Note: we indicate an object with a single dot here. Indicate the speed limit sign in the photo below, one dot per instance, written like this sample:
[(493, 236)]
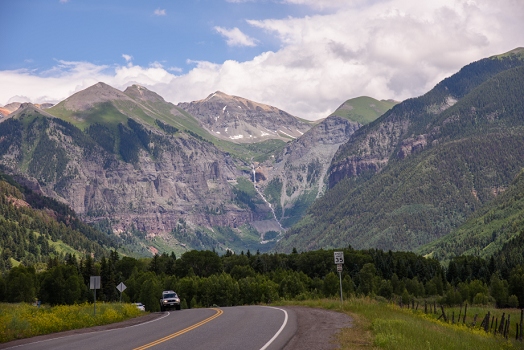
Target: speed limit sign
[(339, 257)]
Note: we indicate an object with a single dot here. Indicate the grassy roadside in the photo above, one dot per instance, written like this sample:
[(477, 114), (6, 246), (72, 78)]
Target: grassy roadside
[(19, 321), (379, 325)]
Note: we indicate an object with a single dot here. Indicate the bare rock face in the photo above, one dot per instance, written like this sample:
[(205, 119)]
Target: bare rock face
[(370, 153), (177, 177), (302, 166), (240, 120)]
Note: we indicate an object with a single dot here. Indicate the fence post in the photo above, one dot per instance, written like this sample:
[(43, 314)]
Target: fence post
[(502, 323), (507, 327), (444, 313), (521, 317)]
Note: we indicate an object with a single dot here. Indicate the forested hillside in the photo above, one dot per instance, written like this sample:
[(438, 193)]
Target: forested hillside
[(422, 169), (34, 228), (488, 230)]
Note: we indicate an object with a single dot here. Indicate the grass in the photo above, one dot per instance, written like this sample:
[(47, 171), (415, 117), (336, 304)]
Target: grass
[(363, 109), (19, 321), (380, 325)]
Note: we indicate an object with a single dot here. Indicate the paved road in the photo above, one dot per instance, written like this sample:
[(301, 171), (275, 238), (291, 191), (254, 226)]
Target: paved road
[(241, 327)]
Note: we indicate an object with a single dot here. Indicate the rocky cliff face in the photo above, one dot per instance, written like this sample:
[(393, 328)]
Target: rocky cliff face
[(370, 152), (240, 120), (173, 177), (298, 174)]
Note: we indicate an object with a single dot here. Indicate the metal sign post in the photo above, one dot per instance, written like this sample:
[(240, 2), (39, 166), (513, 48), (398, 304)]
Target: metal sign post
[(121, 287), (339, 261), (94, 283)]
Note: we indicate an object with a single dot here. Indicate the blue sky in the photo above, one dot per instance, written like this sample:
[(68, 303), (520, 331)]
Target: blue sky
[(304, 56), (40, 32)]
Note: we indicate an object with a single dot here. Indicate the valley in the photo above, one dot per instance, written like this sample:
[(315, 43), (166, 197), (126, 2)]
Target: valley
[(226, 173)]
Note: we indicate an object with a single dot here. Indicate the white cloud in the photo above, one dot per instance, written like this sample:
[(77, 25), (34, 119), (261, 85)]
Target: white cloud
[(160, 12), (63, 1), (128, 58), (384, 49), (235, 37)]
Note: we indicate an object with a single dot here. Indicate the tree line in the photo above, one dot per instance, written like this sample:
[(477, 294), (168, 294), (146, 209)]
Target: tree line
[(203, 278)]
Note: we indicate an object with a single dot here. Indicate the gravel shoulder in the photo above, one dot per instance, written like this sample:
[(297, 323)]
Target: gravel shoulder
[(317, 328)]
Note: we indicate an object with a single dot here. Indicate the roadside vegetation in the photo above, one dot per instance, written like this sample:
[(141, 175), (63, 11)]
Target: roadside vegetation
[(23, 320), (383, 325)]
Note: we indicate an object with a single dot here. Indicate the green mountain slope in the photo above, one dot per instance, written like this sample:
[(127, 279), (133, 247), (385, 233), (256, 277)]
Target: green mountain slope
[(364, 109), (104, 105), (418, 172), (488, 230), (34, 228)]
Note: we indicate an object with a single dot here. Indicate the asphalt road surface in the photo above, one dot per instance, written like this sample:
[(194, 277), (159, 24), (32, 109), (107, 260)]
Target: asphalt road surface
[(240, 327), (244, 327)]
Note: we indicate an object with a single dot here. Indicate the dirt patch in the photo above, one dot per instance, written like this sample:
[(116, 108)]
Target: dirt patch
[(317, 328)]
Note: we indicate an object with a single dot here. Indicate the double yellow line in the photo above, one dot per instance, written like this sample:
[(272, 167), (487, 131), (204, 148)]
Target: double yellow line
[(185, 330)]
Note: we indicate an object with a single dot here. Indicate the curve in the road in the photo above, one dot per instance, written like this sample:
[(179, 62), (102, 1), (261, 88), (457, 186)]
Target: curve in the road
[(279, 331), (185, 330)]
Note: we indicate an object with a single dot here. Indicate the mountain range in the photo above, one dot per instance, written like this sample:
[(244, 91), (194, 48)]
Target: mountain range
[(439, 174), (135, 165), (419, 171)]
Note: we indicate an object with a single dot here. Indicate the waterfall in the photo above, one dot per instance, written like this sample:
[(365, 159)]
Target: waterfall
[(264, 198)]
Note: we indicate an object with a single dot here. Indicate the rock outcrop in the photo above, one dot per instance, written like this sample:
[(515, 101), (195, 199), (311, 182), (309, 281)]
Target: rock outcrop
[(240, 120)]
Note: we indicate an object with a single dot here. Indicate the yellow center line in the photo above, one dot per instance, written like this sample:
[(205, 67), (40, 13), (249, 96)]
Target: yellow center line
[(174, 335)]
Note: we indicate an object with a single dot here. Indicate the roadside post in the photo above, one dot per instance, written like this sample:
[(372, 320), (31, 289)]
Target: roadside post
[(94, 283), (121, 287), (339, 261)]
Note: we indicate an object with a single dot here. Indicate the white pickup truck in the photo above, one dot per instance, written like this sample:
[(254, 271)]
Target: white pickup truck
[(169, 300)]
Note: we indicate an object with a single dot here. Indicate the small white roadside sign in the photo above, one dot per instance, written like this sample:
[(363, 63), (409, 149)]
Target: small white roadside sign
[(339, 257)]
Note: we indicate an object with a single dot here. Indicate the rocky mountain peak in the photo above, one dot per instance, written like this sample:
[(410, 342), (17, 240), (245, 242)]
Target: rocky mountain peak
[(88, 98), (141, 93), (238, 119)]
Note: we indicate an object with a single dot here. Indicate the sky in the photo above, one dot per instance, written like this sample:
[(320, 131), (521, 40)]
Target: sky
[(304, 56)]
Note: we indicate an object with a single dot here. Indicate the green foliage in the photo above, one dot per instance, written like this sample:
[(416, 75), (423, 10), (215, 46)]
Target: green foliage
[(272, 192), (292, 214), (488, 230), (166, 127), (363, 109), (25, 320), (102, 135), (105, 113), (245, 194), (34, 231)]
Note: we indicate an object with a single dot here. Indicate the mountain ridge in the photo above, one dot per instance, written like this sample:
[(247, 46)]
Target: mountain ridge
[(386, 190), (241, 120)]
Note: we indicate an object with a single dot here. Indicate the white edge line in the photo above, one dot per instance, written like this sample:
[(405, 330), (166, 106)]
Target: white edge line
[(279, 331), (75, 335)]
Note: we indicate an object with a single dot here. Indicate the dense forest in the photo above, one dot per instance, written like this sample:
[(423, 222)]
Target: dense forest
[(203, 278)]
